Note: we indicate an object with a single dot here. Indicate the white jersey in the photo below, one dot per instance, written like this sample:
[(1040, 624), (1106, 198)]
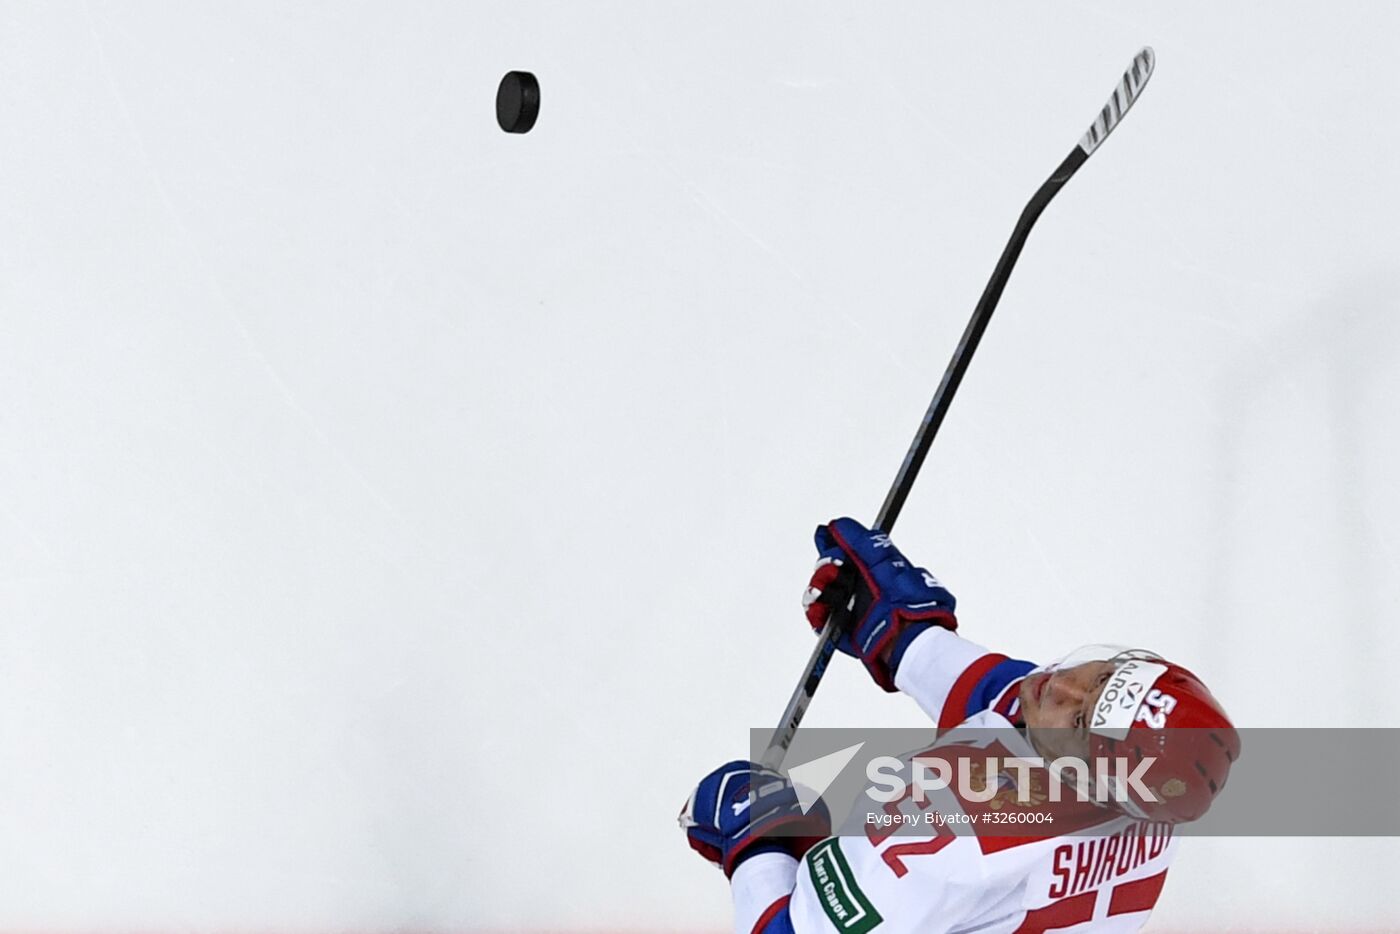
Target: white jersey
[(1104, 881)]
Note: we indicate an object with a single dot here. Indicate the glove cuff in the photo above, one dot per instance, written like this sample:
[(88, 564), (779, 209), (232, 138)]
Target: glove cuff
[(801, 832), (902, 634), (755, 848)]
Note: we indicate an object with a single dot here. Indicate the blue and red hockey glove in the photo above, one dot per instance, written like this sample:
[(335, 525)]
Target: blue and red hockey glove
[(891, 600), (742, 809)]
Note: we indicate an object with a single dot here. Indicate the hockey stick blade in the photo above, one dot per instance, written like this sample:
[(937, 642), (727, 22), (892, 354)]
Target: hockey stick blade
[(1127, 92), (1124, 96)]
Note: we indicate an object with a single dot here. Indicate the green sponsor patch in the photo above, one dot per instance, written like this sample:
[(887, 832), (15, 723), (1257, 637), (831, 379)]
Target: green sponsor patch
[(841, 898)]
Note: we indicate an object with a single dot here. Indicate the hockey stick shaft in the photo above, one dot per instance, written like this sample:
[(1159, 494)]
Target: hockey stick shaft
[(1127, 91)]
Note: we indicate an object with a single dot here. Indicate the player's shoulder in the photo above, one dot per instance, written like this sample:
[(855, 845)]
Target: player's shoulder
[(953, 678), (987, 720)]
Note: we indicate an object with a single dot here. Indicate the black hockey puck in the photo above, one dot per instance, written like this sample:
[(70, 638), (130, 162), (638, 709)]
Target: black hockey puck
[(517, 102)]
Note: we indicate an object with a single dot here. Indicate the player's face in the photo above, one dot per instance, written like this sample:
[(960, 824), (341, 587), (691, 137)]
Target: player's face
[(1056, 706)]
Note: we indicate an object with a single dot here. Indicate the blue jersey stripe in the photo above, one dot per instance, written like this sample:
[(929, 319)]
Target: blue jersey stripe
[(994, 682)]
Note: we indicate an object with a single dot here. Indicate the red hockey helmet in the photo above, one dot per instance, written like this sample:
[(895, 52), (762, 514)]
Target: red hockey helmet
[(1151, 707)]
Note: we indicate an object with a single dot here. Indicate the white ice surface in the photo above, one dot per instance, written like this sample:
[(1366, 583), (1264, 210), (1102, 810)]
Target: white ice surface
[(398, 516)]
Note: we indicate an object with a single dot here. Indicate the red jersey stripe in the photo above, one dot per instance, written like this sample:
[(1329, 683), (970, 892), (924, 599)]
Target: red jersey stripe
[(772, 912), (955, 707)]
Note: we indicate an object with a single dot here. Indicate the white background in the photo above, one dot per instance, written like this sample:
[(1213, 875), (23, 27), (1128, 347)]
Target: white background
[(398, 516)]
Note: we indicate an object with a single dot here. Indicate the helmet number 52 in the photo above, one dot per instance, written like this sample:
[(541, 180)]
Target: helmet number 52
[(1156, 708)]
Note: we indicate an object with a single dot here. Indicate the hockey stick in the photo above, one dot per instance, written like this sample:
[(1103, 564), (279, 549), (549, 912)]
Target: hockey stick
[(1131, 85)]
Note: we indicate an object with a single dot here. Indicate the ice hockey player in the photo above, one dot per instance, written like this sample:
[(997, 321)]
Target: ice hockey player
[(787, 875)]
